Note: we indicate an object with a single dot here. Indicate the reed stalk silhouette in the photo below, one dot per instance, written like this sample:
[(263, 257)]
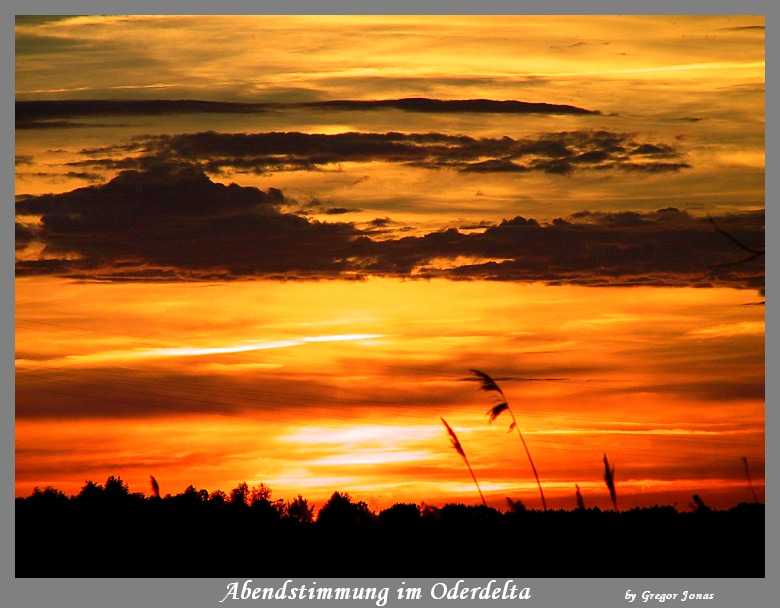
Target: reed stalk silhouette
[(459, 450), (155, 486), (750, 482), (580, 502), (488, 384), (609, 479)]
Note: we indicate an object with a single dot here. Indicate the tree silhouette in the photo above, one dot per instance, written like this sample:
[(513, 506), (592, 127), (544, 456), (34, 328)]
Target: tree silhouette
[(262, 505), (259, 493), (401, 516), (340, 511), (218, 497), (49, 496), (191, 496), (239, 496), (90, 492), (185, 535), (299, 510), (116, 488)]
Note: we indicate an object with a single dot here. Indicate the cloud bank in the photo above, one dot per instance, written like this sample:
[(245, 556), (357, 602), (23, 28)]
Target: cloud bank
[(555, 153), (171, 222), (59, 113)]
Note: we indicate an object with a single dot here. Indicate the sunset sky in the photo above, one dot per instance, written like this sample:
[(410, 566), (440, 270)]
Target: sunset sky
[(270, 249)]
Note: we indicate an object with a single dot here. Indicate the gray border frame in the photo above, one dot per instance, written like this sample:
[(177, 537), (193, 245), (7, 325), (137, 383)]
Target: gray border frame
[(193, 593)]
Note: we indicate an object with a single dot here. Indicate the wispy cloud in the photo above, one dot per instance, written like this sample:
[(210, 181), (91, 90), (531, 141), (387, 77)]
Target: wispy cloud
[(104, 357)]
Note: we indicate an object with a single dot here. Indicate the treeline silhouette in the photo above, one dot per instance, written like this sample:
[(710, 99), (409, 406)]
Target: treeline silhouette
[(107, 531)]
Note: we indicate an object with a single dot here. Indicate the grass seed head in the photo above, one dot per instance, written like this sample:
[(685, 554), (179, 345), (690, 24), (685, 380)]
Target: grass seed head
[(454, 439), (488, 384)]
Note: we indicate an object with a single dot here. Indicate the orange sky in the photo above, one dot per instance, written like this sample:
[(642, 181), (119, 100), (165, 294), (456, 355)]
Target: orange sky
[(293, 291), (347, 394)]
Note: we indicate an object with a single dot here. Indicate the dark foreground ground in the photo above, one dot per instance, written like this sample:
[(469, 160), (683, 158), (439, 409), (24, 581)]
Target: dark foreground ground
[(132, 536)]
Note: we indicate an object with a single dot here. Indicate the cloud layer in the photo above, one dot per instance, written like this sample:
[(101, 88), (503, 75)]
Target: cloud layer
[(173, 222), (556, 153), (57, 114)]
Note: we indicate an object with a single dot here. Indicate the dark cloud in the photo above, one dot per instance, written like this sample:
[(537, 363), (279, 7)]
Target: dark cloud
[(176, 218), (666, 247), (381, 222), (90, 177), (424, 105), (710, 388), (318, 206), (383, 227), (655, 150), (61, 124), (58, 177), (96, 393), (653, 167), (99, 395), (34, 45), (495, 165), (95, 390), (25, 234), (172, 223), (478, 226), (59, 113), (39, 19), (41, 114), (339, 210), (262, 153), (575, 45), (741, 28)]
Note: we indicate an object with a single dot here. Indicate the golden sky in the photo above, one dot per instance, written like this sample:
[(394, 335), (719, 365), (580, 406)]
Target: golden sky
[(270, 249)]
